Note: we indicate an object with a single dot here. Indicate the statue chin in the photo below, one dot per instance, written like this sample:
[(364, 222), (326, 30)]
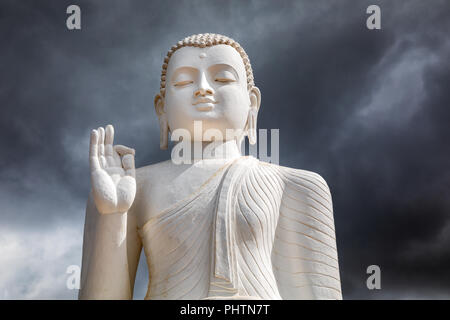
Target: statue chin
[(233, 229)]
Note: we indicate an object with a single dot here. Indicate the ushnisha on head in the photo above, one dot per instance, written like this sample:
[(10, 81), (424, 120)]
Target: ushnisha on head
[(208, 78)]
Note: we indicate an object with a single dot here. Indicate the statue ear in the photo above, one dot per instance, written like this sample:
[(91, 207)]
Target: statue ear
[(255, 102), (163, 124), (255, 98), (159, 104)]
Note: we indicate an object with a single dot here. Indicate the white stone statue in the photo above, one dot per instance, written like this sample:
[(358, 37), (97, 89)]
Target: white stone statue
[(225, 226)]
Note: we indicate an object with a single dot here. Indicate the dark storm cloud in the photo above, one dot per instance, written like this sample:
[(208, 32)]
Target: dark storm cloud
[(376, 126), (368, 110)]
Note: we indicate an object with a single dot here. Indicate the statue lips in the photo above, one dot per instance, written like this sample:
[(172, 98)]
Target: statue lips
[(204, 104)]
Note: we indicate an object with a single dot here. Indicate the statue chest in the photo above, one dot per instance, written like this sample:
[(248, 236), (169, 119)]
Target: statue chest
[(209, 234)]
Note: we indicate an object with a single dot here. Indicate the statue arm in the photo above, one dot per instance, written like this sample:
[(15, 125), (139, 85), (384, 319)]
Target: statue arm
[(305, 255), (111, 246), (111, 251)]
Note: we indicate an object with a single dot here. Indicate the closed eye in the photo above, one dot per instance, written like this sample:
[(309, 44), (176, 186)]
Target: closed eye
[(183, 83), (224, 80), (224, 76)]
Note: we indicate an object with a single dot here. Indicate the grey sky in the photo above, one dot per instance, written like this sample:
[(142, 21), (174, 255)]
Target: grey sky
[(368, 110)]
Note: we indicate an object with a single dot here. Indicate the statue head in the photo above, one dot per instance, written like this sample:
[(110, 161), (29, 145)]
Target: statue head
[(207, 78)]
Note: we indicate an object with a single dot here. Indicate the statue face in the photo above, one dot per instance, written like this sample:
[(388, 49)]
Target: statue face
[(209, 85)]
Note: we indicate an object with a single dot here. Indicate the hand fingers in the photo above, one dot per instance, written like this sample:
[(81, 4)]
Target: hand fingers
[(128, 165), (101, 141), (109, 134), (101, 147), (93, 151), (93, 148), (109, 139), (122, 150)]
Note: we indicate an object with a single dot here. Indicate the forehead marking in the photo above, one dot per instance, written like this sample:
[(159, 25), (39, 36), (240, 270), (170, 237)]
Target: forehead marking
[(202, 55)]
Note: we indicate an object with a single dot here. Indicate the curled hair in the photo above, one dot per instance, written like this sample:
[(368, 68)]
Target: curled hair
[(206, 40)]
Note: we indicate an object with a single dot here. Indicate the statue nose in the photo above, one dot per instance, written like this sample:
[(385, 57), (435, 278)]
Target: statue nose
[(203, 88), (203, 92)]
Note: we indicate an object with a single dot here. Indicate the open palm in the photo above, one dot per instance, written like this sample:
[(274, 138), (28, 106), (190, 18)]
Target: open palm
[(112, 172)]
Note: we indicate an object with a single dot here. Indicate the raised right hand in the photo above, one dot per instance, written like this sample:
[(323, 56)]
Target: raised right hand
[(112, 172)]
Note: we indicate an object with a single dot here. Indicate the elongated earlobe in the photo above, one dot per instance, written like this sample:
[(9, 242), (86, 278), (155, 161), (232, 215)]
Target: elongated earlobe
[(164, 132), (255, 102), (252, 121), (163, 123)]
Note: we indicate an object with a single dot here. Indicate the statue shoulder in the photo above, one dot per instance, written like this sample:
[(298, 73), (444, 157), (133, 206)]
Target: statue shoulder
[(153, 173), (151, 182), (150, 179), (305, 183), (297, 175), (298, 183)]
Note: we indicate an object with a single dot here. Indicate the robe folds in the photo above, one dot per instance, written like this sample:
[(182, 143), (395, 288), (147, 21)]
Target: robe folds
[(253, 230)]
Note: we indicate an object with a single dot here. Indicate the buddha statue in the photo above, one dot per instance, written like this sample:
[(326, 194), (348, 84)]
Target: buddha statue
[(221, 226)]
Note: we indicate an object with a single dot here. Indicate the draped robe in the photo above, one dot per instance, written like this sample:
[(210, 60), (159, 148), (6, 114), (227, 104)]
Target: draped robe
[(253, 230)]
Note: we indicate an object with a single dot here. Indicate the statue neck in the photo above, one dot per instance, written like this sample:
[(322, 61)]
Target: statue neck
[(221, 150)]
